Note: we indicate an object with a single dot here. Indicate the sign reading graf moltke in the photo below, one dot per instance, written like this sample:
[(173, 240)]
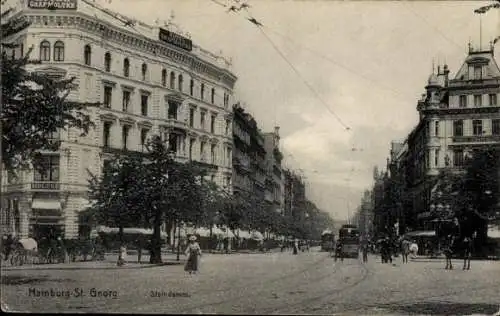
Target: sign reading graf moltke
[(53, 4), (176, 39)]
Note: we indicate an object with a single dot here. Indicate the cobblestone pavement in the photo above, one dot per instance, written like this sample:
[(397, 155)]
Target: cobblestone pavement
[(272, 283)]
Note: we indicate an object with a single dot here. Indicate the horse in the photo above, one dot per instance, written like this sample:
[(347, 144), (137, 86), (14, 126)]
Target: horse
[(405, 250)]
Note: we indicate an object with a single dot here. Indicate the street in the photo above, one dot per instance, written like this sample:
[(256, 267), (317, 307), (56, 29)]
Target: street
[(270, 283)]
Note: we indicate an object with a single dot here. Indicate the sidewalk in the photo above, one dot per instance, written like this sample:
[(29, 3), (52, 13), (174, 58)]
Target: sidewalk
[(109, 262)]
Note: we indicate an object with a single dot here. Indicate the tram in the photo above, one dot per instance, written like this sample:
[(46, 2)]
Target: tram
[(327, 240), (349, 237)]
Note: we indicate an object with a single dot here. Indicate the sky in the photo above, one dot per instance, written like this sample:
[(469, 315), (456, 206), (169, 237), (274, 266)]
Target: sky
[(318, 66)]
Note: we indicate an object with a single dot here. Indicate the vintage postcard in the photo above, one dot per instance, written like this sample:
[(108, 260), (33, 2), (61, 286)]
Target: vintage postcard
[(250, 157)]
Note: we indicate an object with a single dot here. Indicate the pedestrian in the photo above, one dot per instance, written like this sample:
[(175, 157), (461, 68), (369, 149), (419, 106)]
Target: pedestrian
[(405, 250), (364, 249), (296, 247), (414, 249), (448, 252), (122, 257), (339, 251), (468, 248), (193, 252)]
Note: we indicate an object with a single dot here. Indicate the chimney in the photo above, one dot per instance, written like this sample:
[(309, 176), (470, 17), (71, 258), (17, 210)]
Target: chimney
[(446, 74), (277, 130)]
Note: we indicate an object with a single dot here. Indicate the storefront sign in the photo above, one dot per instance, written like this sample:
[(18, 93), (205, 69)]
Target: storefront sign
[(175, 39), (53, 4)]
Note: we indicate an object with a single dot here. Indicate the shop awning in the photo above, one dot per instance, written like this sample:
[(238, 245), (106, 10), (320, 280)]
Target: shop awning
[(421, 233), (46, 204)]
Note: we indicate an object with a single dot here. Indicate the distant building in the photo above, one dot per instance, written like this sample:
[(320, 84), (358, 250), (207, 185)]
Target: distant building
[(274, 182), (249, 158), (294, 193)]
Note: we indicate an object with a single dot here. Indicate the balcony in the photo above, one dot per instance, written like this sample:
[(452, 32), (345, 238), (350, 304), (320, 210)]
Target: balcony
[(477, 139), (45, 186)]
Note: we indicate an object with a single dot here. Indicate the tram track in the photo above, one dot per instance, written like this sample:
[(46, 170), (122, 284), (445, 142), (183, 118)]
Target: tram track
[(304, 304)]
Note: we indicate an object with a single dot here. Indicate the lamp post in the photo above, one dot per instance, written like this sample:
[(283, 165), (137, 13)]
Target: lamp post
[(181, 223)]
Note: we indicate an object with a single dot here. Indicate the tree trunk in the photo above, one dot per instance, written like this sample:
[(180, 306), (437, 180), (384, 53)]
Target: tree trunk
[(211, 242), (155, 251)]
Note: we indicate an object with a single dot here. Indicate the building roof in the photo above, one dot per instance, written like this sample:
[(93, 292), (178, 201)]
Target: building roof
[(481, 57)]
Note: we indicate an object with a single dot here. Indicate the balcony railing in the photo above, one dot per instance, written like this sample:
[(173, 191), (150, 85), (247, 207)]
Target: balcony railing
[(45, 185), (476, 139)]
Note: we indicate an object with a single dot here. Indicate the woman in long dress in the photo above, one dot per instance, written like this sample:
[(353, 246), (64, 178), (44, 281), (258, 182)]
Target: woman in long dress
[(193, 251)]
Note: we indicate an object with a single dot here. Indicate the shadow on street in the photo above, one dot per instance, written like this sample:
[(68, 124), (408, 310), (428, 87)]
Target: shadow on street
[(23, 280), (443, 308)]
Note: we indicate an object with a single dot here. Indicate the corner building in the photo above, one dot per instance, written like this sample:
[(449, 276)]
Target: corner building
[(150, 80), (457, 116)]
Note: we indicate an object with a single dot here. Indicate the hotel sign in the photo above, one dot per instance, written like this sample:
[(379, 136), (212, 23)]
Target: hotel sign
[(53, 4), (175, 39)]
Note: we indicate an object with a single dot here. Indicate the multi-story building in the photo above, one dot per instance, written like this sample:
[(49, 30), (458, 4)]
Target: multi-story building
[(274, 182), (149, 79), (249, 173), (294, 193), (457, 116)]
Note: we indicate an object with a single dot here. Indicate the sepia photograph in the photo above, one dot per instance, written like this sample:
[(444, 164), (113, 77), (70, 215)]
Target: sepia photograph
[(316, 157)]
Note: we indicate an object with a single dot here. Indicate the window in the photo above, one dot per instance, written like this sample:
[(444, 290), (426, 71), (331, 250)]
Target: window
[(144, 71), (125, 133), (436, 158), (144, 135), (47, 168), (227, 126), (191, 144), (458, 158), (172, 110), (202, 151), (180, 82), (45, 51), (202, 120), (191, 87), (172, 142), (436, 129), (126, 100), (191, 117), (478, 100), (106, 133), (87, 54), (225, 99), (144, 104), (478, 70), (212, 124), (463, 101), (126, 67), (495, 127), (172, 80), (493, 99), (59, 51), (202, 91), (107, 62), (212, 96), (164, 77), (213, 154), (458, 128), (228, 152), (108, 96), (477, 127)]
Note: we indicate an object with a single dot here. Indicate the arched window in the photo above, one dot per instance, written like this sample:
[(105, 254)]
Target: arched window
[(87, 53), (191, 87), (45, 51), (107, 62), (59, 51), (212, 96), (202, 91), (126, 67), (180, 82), (164, 77), (172, 80), (144, 71)]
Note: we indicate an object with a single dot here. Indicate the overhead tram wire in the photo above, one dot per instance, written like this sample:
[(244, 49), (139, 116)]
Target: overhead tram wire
[(316, 94)]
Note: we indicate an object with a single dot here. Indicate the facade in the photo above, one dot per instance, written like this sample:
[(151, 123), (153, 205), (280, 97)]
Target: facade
[(249, 169), (457, 116), (150, 80), (294, 193), (273, 196)]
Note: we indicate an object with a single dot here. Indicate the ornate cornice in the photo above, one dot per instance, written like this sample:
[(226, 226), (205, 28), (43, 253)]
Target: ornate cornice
[(109, 32), (175, 97), (108, 117), (145, 124), (127, 120)]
